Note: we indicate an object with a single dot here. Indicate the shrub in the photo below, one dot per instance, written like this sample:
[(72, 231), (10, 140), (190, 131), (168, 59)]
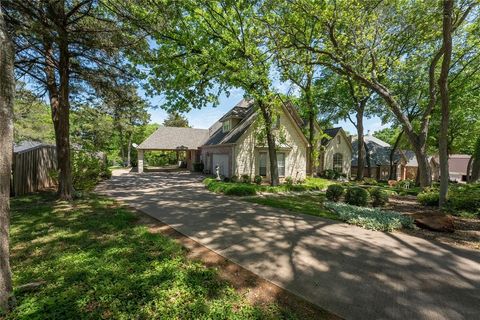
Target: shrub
[(198, 167), (370, 181), (226, 179), (240, 190), (331, 174), (356, 196), (257, 179), (289, 181), (234, 178), (87, 171), (246, 178), (370, 218), (379, 196), (464, 197), (335, 192), (405, 184), (429, 197)]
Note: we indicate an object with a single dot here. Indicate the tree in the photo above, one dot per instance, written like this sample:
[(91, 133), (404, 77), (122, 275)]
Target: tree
[(206, 47), (31, 117), (445, 99), (7, 88), (369, 47), (175, 119), (65, 47)]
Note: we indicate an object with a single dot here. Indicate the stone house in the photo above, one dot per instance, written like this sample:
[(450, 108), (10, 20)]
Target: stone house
[(335, 152), (235, 144)]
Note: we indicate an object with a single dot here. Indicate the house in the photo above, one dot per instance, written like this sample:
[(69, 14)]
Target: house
[(457, 167), (335, 152), (377, 159), (236, 144)]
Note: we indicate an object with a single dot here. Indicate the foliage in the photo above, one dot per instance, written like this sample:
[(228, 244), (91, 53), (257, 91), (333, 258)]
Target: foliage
[(370, 181), (97, 261), (429, 197), (311, 184), (88, 170), (234, 178), (331, 174), (379, 196), (289, 180), (464, 197), (175, 119), (241, 190), (32, 119), (246, 178), (356, 196), (405, 184), (230, 188), (257, 179), (160, 158), (335, 192), (370, 218), (198, 166)]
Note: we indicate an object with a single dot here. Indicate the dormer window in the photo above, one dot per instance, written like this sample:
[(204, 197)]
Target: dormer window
[(227, 125)]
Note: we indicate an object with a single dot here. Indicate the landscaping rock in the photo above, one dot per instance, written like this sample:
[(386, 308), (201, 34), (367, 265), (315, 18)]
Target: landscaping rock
[(439, 223)]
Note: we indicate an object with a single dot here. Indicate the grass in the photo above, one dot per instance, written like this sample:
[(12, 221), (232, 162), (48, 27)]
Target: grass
[(94, 261), (311, 204), (239, 188)]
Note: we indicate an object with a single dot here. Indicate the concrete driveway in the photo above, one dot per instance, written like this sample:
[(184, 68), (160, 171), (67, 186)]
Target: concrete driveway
[(350, 271)]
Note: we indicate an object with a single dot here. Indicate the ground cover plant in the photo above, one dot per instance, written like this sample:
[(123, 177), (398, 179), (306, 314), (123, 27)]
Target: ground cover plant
[(93, 261), (370, 218)]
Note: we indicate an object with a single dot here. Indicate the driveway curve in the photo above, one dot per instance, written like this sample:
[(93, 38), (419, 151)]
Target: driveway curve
[(352, 272)]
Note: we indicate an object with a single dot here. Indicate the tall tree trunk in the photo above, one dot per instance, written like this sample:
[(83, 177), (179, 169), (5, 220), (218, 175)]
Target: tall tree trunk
[(311, 141), (272, 152), (445, 101), (60, 102), (7, 89), (469, 169), (129, 150), (475, 175), (367, 158), (360, 146), (392, 175)]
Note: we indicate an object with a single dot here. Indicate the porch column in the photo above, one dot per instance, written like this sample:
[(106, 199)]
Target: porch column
[(140, 160)]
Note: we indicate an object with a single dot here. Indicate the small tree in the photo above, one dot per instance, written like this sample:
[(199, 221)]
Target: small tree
[(175, 119)]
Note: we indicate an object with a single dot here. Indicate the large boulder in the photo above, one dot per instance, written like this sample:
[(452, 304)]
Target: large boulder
[(441, 223)]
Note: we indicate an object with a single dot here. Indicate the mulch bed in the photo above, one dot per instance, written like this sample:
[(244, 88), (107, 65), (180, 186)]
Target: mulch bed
[(467, 230)]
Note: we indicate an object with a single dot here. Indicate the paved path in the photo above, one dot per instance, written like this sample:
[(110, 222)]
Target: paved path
[(350, 271)]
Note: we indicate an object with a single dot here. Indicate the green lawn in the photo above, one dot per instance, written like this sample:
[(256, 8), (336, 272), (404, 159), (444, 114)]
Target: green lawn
[(239, 188), (96, 262), (303, 203)]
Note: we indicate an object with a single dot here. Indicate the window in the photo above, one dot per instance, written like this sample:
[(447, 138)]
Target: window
[(338, 162), (262, 165), (227, 125), (276, 123), (281, 164)]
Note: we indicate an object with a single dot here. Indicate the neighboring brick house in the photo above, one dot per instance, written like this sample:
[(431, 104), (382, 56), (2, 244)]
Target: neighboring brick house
[(335, 152), (234, 143)]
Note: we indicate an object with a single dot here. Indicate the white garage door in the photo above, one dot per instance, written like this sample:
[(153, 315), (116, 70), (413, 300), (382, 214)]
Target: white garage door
[(222, 161)]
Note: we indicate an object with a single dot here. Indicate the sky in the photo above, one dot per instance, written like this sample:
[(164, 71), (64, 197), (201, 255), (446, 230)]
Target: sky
[(204, 118)]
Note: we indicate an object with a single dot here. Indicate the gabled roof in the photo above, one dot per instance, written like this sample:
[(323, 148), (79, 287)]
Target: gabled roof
[(239, 111), (379, 151), (246, 108), (174, 138), (332, 133)]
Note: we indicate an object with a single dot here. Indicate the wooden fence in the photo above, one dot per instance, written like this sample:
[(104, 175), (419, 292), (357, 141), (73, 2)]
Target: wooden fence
[(32, 168)]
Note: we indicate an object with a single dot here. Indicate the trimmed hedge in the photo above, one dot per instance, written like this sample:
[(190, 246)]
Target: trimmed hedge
[(379, 196), (335, 192), (356, 196), (465, 197), (241, 190), (429, 197), (370, 218), (228, 188)]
